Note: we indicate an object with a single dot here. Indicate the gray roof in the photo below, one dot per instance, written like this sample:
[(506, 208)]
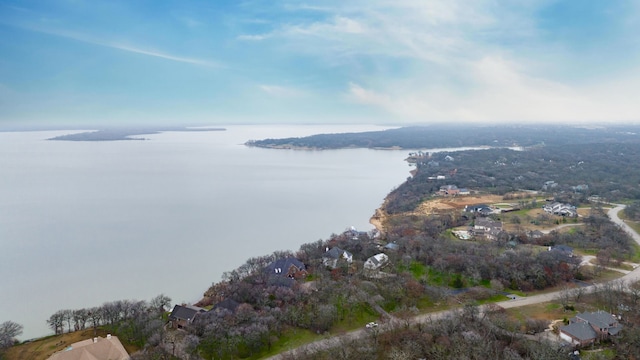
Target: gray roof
[(563, 248), (283, 266), (579, 330), (185, 313), (615, 330), (600, 319), (392, 246), (336, 253)]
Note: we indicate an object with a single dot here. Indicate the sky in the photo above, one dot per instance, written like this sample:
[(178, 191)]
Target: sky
[(394, 62)]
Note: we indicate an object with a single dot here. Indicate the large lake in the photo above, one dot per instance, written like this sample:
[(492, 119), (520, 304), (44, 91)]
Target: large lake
[(82, 223)]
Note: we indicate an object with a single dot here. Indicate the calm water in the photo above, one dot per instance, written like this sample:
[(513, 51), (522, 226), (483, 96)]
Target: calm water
[(82, 223)]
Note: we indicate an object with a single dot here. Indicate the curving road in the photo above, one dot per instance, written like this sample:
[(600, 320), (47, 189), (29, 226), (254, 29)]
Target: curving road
[(520, 301)]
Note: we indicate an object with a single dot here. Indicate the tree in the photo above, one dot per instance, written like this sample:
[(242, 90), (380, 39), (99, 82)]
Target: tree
[(67, 316), (95, 316), (80, 318), (56, 322), (159, 303), (9, 330)]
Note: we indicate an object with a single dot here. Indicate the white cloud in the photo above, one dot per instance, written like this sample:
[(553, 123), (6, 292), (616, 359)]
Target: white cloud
[(503, 93), (427, 60), (256, 37)]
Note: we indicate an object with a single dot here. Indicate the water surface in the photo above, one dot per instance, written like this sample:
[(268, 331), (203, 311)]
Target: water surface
[(82, 223)]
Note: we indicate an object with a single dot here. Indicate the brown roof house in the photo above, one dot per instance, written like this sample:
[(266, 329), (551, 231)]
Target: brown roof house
[(449, 190), (98, 348), (588, 327), (182, 316)]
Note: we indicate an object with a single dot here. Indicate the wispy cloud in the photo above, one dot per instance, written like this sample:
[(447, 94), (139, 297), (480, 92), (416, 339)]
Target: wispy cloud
[(430, 60), (256, 37), (117, 45)]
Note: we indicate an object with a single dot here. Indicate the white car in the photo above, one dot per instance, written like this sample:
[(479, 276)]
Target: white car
[(371, 325)]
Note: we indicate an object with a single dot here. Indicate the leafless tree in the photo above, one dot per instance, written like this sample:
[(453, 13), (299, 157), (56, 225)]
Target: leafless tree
[(56, 322), (160, 303), (9, 330)]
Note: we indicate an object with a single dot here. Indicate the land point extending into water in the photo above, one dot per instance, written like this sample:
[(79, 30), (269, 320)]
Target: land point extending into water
[(116, 134)]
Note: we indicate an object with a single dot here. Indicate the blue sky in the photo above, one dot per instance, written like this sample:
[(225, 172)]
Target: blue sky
[(77, 62)]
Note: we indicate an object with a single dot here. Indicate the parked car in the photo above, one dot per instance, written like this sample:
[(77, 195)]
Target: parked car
[(371, 325)]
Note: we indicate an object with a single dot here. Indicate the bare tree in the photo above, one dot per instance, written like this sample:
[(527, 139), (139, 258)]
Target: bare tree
[(95, 316), (8, 332), (56, 322), (67, 316), (80, 318), (160, 303)]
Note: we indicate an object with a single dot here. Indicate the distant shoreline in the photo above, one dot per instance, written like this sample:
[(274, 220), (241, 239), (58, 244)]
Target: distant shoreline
[(123, 134)]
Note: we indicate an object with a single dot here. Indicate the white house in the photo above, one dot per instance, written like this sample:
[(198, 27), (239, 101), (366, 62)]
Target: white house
[(376, 262)]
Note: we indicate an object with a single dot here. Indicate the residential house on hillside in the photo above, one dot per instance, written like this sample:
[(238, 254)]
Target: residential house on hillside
[(480, 209), (332, 257), (564, 249), (557, 208), (182, 316), (449, 190), (548, 185), (392, 246), (98, 348), (376, 262), (588, 327), (487, 228), (535, 234), (288, 267)]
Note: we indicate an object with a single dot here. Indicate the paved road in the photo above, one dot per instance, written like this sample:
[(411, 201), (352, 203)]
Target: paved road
[(520, 301)]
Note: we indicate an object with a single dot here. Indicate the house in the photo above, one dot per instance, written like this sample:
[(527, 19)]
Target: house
[(392, 246), (580, 188), (376, 262), (98, 348), (549, 185), (487, 228), (535, 234), (588, 327), (557, 208), (447, 190), (333, 256), (464, 191), (481, 209), (288, 267), (182, 316), (564, 249)]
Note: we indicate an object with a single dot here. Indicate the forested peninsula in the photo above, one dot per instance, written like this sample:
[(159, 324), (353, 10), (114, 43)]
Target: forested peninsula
[(124, 133), (450, 136), (465, 234)]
